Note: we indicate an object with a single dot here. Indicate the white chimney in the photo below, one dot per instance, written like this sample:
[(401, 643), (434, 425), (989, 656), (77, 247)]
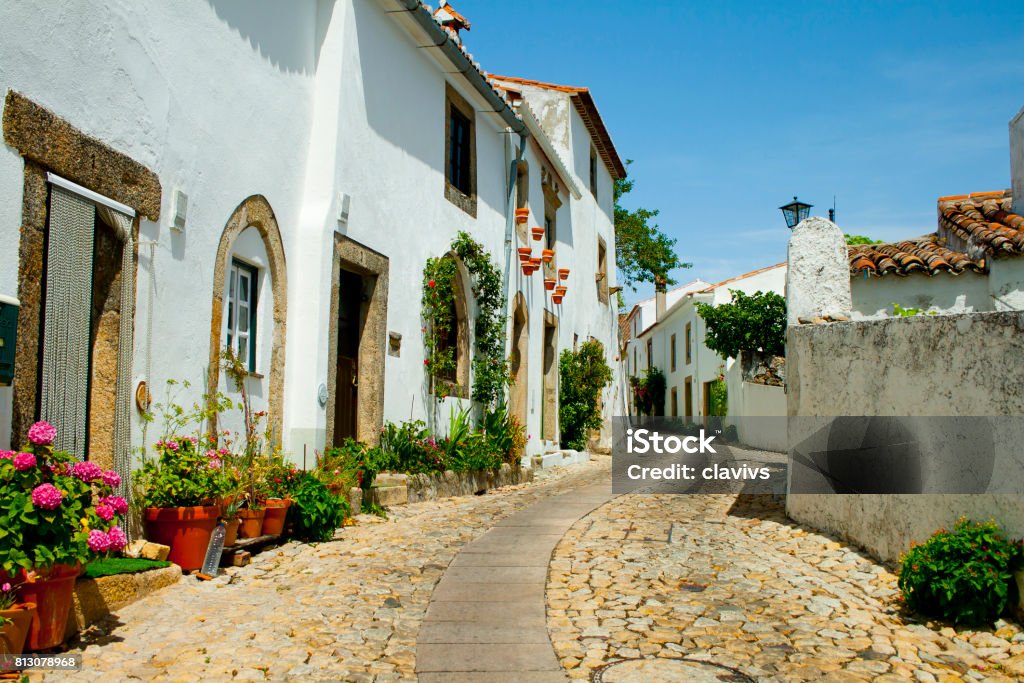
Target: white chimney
[(1017, 161), (659, 299)]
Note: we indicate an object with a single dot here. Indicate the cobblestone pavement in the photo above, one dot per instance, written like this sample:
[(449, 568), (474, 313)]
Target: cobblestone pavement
[(347, 610), (728, 579)]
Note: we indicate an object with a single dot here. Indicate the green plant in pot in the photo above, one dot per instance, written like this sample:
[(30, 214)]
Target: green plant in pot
[(15, 619), (57, 513), (281, 479)]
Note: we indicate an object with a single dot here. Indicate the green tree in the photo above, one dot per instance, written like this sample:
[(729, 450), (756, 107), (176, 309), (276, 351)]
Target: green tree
[(860, 239), (643, 253), (752, 322), (583, 374)]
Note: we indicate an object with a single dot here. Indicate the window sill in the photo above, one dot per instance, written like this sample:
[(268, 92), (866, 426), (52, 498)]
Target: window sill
[(466, 202), (255, 375)]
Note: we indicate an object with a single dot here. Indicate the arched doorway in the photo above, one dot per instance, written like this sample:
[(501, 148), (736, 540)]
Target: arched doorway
[(519, 358)]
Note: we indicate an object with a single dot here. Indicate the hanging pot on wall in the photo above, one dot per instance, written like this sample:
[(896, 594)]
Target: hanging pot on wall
[(522, 215), (525, 253), (538, 233), (548, 255), (556, 298), (563, 273), (561, 290), (549, 283)]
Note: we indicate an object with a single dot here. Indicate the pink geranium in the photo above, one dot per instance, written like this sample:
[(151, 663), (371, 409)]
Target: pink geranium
[(99, 541), (24, 461), (42, 433), (111, 479), (86, 471), (118, 539), (47, 496), (105, 512), (119, 504), (7, 455)]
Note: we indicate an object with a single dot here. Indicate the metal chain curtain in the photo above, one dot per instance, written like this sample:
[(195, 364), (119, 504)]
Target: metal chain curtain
[(66, 330)]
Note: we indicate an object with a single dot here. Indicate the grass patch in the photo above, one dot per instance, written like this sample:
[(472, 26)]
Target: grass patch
[(110, 566)]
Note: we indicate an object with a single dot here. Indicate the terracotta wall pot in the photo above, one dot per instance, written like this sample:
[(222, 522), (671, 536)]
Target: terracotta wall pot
[(52, 594), (525, 253), (251, 524), (563, 273), (556, 298), (537, 233), (522, 215), (14, 632), (186, 530), (528, 270), (549, 283), (547, 255), (275, 513), (535, 262), (561, 291), (231, 532)]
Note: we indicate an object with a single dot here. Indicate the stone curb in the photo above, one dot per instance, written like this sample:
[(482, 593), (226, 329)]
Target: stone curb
[(95, 599)]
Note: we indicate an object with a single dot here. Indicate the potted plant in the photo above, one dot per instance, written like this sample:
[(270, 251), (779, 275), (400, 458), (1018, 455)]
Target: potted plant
[(556, 298), (280, 482), (522, 215), (181, 490), (57, 513), (549, 283), (15, 619), (524, 253), (561, 290)]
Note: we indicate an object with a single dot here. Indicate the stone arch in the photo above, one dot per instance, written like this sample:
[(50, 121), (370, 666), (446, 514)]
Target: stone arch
[(519, 358), (254, 211)]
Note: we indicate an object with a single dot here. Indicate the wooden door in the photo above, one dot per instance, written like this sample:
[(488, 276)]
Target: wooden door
[(346, 390)]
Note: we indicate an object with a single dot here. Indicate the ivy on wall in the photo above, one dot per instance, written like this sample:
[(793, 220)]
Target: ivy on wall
[(440, 279)]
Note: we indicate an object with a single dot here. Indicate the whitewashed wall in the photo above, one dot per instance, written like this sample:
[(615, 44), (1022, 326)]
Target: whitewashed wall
[(943, 293)]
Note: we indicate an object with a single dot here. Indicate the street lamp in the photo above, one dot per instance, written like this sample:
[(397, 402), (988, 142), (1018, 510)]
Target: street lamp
[(795, 212)]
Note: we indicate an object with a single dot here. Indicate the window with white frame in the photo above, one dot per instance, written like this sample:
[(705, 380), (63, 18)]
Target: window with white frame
[(243, 300)]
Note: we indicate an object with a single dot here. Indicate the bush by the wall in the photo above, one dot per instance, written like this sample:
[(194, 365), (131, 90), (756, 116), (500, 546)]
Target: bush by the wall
[(963, 576), (315, 512)]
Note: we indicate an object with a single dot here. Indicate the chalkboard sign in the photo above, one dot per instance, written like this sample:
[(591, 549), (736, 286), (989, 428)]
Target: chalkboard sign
[(211, 564)]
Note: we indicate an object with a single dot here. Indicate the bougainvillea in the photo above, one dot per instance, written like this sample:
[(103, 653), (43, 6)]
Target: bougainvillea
[(490, 368)]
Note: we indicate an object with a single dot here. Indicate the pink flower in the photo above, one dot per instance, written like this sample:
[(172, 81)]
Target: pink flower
[(213, 464), (86, 471), (111, 479), (47, 496), (42, 433), (118, 539), (172, 445), (7, 455), (105, 512), (119, 504), (5, 588), (24, 461), (98, 541)]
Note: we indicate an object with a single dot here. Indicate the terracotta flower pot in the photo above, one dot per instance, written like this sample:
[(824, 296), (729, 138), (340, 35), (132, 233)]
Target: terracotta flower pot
[(563, 273), (52, 594), (549, 283), (548, 255), (251, 522), (561, 290), (231, 532), (186, 530), (522, 215), (535, 262), (274, 515), (525, 253), (14, 632), (537, 233), (556, 298)]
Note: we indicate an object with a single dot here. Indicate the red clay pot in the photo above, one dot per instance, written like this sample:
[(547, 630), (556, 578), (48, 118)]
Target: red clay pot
[(274, 515), (186, 530), (535, 262), (537, 233), (525, 253), (548, 255), (549, 283), (14, 632), (556, 298), (231, 532), (522, 215), (52, 594), (561, 290), (563, 273), (251, 522)]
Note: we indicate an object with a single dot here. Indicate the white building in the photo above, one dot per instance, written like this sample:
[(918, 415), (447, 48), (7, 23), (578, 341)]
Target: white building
[(281, 175), (970, 264), (666, 332)]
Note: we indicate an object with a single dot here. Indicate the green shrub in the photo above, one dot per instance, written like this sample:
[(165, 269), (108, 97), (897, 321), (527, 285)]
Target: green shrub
[(964, 576), (582, 376), (315, 512)]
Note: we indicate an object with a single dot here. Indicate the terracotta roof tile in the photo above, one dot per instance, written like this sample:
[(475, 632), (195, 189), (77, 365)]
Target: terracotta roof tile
[(927, 254), (982, 223)]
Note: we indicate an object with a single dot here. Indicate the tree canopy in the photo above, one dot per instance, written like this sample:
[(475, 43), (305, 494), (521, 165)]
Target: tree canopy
[(643, 253), (860, 239), (752, 322)]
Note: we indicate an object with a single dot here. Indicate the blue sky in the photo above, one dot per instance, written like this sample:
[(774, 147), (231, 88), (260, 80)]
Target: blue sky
[(728, 109)]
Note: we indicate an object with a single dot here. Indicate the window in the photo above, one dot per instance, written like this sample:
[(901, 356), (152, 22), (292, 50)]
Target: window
[(650, 353), (243, 300), (688, 335), (460, 152), (672, 343), (602, 271), (674, 402), (688, 396), (636, 368), (593, 172)]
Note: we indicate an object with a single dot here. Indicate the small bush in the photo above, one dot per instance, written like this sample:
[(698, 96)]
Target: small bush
[(315, 512), (964, 576)]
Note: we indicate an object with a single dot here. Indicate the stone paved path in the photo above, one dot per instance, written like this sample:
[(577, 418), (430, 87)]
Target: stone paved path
[(347, 610), (486, 617), (730, 580)]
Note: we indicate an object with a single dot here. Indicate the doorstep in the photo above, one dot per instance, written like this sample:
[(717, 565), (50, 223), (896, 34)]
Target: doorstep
[(97, 598)]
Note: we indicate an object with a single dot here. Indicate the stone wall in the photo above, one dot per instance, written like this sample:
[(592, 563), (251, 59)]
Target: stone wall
[(946, 365), (401, 489)]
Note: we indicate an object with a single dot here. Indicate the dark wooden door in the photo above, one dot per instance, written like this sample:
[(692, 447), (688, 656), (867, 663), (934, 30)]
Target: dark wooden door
[(346, 390)]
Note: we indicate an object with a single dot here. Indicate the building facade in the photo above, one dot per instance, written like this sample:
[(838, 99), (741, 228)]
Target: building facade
[(217, 173)]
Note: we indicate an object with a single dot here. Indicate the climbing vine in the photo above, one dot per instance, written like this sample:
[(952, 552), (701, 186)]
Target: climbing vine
[(490, 368)]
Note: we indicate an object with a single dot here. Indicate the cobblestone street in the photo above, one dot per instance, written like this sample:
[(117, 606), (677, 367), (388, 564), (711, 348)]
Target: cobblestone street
[(712, 577)]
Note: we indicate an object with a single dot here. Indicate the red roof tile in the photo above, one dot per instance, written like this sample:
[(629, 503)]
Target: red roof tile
[(927, 254), (982, 223)]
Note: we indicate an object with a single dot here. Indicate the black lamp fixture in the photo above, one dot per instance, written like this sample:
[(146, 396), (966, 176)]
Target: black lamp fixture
[(795, 212)]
